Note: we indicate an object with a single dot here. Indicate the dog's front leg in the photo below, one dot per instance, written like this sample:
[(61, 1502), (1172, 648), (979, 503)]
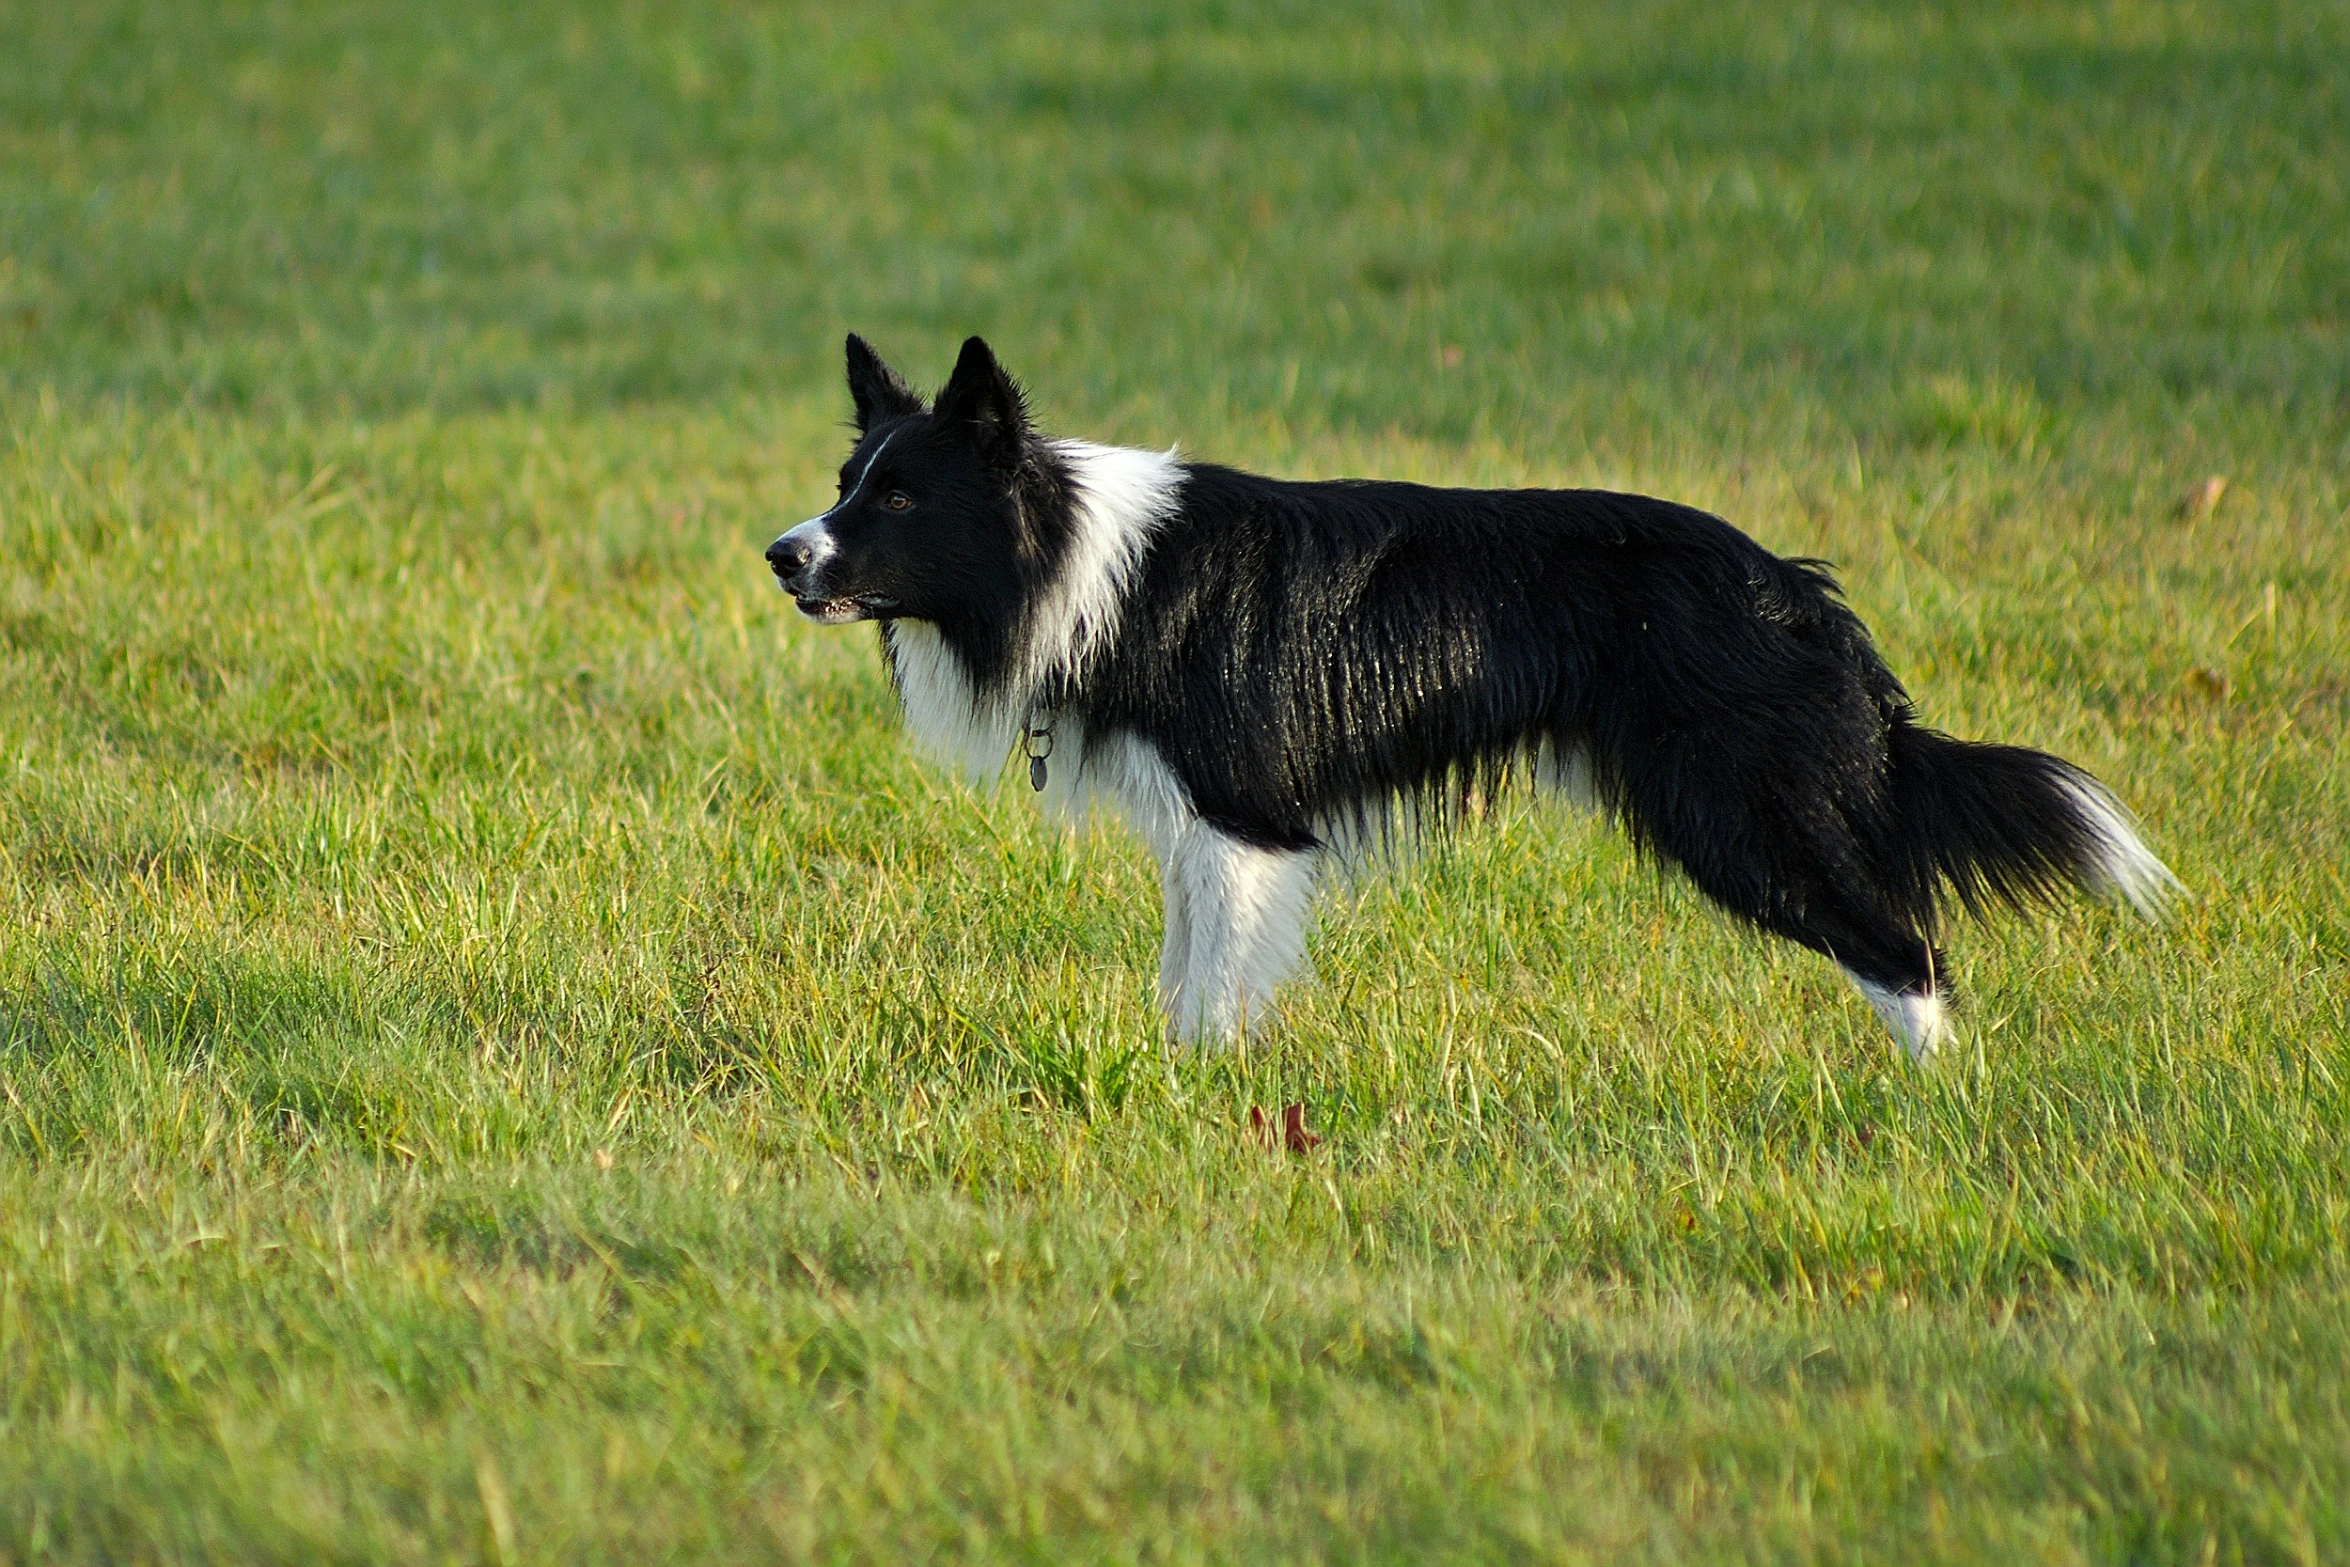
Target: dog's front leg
[(1175, 945), (1243, 912)]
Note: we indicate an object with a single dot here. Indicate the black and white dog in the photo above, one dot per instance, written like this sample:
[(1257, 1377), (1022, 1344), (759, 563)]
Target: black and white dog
[(1261, 675)]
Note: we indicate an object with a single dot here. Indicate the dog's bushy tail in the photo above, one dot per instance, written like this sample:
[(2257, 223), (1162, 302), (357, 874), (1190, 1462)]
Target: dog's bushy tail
[(2002, 824)]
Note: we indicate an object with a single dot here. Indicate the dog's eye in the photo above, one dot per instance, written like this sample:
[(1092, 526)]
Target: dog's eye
[(897, 500)]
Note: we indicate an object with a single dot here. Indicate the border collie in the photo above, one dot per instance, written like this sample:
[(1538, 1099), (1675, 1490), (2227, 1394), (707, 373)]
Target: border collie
[(1265, 677)]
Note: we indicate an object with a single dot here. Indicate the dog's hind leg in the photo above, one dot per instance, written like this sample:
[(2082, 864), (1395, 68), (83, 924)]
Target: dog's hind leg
[(1245, 912), (1916, 1013), (1811, 882), (1897, 971), (1838, 909)]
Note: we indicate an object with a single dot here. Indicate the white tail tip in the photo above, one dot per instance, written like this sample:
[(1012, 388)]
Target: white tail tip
[(2120, 865)]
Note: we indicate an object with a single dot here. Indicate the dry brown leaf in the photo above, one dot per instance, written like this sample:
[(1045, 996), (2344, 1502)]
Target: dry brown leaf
[(1290, 1135), (2202, 500), (2209, 684)]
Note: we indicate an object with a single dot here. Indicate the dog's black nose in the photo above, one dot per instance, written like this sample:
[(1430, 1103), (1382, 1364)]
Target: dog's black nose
[(789, 556)]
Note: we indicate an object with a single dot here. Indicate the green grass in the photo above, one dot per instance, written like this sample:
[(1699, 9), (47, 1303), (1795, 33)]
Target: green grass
[(503, 1055)]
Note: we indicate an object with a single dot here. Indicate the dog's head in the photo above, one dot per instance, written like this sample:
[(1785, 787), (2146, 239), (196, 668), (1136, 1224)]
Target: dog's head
[(929, 510)]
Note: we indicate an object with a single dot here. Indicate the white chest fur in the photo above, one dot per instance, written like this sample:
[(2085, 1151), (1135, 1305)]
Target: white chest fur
[(946, 716)]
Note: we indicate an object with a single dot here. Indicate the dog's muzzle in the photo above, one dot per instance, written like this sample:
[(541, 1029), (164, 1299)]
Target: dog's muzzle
[(790, 557), (798, 560)]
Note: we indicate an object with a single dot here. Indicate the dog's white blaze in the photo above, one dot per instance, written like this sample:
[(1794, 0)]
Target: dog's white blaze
[(2122, 866), (816, 532), (1123, 497), (1921, 1023), (865, 472), (1237, 918)]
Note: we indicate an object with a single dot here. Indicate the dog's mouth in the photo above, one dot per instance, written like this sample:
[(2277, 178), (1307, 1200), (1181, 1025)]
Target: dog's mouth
[(840, 611)]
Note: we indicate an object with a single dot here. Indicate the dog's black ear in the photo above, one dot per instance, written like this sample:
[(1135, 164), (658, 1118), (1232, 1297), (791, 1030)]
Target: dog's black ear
[(875, 388), (982, 400)]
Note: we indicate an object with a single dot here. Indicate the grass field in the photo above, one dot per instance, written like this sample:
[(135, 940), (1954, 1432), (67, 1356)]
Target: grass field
[(503, 1055)]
